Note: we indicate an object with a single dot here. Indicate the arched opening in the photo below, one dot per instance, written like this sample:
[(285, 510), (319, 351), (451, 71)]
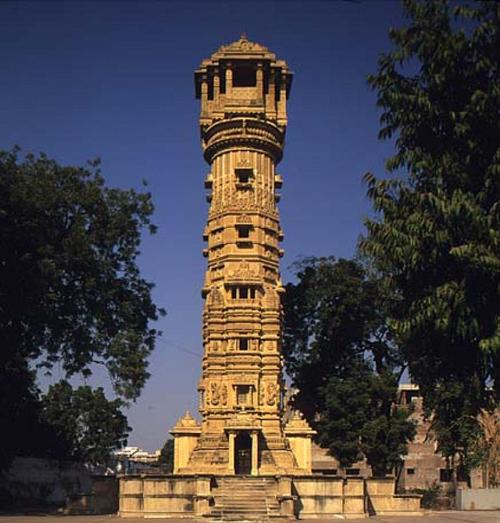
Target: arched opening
[(243, 453)]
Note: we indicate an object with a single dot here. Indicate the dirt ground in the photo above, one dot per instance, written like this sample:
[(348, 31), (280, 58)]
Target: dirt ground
[(431, 517)]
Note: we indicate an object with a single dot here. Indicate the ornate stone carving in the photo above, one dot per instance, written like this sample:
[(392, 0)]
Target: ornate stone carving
[(244, 271), (216, 297), (244, 219), (214, 393), (223, 394), (271, 394), (243, 44), (242, 128), (262, 394)]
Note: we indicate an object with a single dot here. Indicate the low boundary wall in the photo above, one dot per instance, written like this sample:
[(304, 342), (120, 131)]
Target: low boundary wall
[(298, 496), (164, 496), (381, 499), (478, 499), (323, 496)]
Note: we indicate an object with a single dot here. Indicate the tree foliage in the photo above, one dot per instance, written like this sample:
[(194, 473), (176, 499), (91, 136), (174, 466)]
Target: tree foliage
[(489, 446), (344, 363), (167, 456), (70, 287), (20, 411), (71, 292), (88, 424), (436, 236)]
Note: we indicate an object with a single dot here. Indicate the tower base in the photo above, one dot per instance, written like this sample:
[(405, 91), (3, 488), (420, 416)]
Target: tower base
[(242, 452), (243, 445), (261, 498)]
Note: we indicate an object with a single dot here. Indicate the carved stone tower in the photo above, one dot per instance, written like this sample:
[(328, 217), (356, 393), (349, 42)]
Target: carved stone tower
[(243, 90)]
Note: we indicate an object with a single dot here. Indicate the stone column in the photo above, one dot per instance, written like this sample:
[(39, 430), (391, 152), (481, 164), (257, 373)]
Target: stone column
[(260, 81), (282, 100), (229, 81), (255, 453), (270, 98), (232, 437), (216, 88), (176, 466), (204, 96)]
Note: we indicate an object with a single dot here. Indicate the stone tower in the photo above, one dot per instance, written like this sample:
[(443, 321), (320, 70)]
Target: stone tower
[(243, 90)]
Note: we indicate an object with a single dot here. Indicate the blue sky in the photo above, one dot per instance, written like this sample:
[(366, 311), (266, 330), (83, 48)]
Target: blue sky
[(115, 80)]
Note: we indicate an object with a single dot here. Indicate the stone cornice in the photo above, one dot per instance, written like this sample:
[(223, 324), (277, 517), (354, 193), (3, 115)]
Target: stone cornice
[(243, 132)]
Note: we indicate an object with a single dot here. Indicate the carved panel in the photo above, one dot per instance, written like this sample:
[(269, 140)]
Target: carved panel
[(215, 393), (271, 394)]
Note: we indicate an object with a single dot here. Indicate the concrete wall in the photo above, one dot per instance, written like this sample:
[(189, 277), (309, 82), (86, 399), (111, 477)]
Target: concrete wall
[(35, 481), (102, 498), (478, 499)]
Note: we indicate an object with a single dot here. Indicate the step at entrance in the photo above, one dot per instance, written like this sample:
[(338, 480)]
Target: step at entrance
[(245, 498)]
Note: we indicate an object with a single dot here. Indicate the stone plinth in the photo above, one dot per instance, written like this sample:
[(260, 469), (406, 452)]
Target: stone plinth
[(290, 497)]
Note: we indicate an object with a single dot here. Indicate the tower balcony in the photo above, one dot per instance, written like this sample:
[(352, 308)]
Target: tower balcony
[(209, 181), (241, 131)]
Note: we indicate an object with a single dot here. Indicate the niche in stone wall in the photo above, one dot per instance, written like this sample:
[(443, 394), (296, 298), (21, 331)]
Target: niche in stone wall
[(242, 292), (244, 177), (244, 76)]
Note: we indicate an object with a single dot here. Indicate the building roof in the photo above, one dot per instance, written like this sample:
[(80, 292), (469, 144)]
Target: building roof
[(241, 49)]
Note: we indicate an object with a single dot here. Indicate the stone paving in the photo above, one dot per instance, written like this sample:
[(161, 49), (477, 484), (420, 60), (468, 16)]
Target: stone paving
[(430, 517)]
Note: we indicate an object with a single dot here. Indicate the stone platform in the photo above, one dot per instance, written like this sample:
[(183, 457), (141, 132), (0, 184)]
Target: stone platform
[(260, 498)]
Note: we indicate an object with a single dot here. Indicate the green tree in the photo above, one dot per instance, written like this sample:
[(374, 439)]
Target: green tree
[(70, 289), (167, 456), (436, 233), (90, 425), (344, 363)]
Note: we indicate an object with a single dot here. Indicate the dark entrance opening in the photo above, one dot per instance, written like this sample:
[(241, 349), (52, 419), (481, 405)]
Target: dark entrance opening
[(243, 453)]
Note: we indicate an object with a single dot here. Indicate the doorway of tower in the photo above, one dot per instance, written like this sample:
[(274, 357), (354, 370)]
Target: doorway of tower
[(243, 453)]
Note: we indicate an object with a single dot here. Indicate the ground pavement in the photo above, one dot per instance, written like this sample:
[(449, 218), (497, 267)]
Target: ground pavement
[(430, 517)]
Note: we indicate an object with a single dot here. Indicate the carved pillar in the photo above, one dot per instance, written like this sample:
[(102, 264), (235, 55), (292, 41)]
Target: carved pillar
[(204, 96), (216, 88), (255, 453), (260, 81), (271, 95), (229, 81), (232, 437), (282, 100)]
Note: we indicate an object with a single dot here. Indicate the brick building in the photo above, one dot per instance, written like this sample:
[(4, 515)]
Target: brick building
[(422, 467)]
